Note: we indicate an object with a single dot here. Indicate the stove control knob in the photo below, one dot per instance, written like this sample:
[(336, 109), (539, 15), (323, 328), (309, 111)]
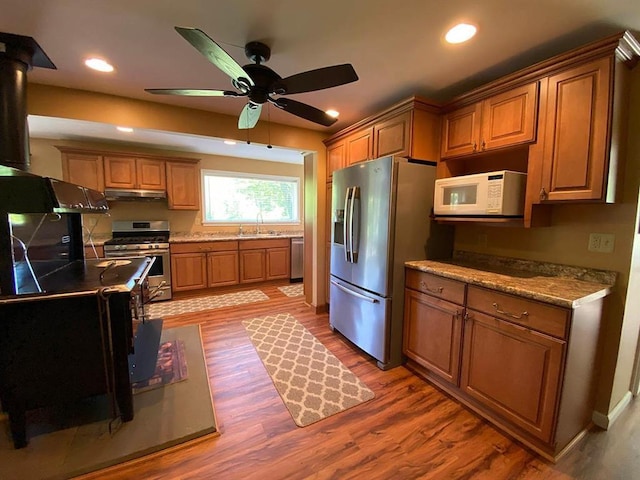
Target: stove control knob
[(156, 246)]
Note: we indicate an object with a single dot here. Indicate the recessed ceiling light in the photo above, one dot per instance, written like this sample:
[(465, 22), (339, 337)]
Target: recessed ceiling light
[(229, 142), (99, 64), (460, 33), (125, 129), (332, 113)]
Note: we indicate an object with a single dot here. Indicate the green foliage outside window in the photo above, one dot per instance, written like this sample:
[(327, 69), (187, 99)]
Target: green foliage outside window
[(238, 198)]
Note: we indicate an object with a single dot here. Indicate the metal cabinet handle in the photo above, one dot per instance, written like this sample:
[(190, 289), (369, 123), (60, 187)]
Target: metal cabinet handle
[(424, 286), (543, 194), (512, 315)]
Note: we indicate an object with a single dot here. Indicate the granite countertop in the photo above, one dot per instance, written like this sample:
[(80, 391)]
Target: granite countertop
[(561, 285), (184, 237)]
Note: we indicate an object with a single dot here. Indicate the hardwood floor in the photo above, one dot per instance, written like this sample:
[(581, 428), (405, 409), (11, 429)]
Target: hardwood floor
[(409, 430)]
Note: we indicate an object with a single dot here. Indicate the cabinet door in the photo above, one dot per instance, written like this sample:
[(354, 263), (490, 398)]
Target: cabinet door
[(575, 159), (119, 172), (183, 186), (188, 271), (278, 263), (328, 224), (223, 268), (393, 136), (252, 266), (150, 174), (510, 118), (336, 158), (359, 146), (513, 371), (461, 131), (83, 169), (433, 334)]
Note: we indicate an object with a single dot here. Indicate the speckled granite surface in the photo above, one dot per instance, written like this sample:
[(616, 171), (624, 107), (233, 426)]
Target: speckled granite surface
[(562, 285), (183, 237)]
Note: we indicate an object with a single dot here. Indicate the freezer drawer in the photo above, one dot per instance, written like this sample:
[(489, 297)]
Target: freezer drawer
[(362, 317)]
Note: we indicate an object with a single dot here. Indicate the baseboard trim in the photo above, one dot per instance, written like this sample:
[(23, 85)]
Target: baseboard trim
[(606, 420)]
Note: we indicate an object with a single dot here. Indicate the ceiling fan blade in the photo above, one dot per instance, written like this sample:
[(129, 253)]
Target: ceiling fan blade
[(249, 115), (318, 79), (214, 53), (193, 92), (305, 111)]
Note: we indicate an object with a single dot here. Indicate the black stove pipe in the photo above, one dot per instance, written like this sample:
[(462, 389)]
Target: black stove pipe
[(17, 55)]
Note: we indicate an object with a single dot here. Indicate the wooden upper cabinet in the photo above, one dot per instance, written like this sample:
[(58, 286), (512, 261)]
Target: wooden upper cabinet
[(359, 146), (510, 118), (503, 120), (410, 128), (183, 186), (461, 131), (83, 169), (577, 141), (393, 136), (336, 158), (129, 172), (119, 172), (151, 174)]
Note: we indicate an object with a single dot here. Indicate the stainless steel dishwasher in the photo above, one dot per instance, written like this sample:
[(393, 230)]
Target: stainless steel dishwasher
[(297, 259)]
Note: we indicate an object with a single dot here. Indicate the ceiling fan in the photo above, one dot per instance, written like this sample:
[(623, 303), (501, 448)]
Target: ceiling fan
[(259, 83)]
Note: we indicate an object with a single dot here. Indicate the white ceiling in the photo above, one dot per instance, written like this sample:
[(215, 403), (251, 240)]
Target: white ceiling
[(68, 129), (395, 47)]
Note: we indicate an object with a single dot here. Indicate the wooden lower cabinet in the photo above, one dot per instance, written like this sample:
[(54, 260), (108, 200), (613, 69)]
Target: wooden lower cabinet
[(432, 334), (268, 259), (210, 264), (252, 266), (528, 367), (512, 370), (222, 268), (93, 252), (278, 263), (188, 271)]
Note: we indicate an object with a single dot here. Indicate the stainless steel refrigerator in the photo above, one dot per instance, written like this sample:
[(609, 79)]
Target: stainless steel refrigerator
[(380, 219)]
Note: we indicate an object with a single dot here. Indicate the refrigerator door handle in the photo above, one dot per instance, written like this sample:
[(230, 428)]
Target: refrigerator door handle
[(355, 294), (353, 233), (347, 221)]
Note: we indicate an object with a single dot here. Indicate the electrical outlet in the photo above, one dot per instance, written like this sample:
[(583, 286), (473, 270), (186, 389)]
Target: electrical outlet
[(601, 242)]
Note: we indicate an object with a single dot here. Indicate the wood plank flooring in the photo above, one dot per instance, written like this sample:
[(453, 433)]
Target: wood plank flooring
[(410, 430)]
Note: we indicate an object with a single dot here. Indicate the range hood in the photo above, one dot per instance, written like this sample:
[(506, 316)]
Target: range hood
[(23, 192), (115, 194)]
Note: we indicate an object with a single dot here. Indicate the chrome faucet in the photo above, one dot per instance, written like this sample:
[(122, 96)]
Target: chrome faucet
[(259, 220)]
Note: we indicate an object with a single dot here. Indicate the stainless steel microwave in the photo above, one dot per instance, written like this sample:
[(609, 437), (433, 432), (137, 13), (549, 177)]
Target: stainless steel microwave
[(499, 193)]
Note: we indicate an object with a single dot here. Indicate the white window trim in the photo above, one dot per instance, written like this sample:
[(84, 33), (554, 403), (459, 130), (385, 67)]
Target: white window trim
[(225, 173)]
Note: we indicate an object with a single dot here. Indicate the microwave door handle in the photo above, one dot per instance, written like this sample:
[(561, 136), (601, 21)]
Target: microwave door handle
[(353, 227), (345, 230)]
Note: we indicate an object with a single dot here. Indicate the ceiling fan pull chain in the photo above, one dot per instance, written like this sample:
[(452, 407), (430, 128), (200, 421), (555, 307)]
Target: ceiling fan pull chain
[(269, 126)]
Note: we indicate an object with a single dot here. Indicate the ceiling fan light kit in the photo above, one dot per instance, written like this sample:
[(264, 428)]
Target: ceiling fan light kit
[(259, 83)]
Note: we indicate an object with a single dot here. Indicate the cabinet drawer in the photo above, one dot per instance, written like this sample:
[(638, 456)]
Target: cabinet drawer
[(268, 243), (199, 247), (528, 313), (434, 285)]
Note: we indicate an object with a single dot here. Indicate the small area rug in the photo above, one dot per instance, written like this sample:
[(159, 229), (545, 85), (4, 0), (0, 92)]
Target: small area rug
[(189, 305), (292, 290), (171, 367), (312, 382), (61, 448)]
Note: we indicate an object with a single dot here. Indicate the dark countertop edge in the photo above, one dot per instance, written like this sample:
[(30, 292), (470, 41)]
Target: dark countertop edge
[(532, 293)]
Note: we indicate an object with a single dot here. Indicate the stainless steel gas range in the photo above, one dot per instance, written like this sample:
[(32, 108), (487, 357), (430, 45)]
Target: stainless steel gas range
[(141, 238)]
